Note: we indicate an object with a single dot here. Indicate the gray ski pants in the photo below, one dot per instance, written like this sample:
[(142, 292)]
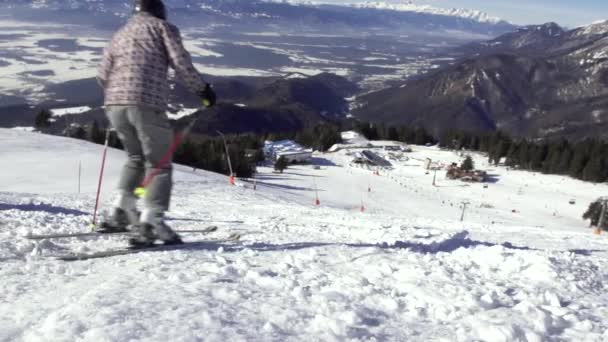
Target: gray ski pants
[(146, 135)]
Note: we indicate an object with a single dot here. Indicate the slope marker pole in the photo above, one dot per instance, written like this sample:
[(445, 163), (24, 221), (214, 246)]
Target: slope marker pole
[(231, 177)]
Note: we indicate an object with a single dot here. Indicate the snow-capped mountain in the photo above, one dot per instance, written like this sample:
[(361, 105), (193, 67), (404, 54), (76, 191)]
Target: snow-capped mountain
[(410, 6), (600, 27), (532, 39)]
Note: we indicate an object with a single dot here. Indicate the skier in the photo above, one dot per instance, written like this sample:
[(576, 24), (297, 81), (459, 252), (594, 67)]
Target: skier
[(133, 73)]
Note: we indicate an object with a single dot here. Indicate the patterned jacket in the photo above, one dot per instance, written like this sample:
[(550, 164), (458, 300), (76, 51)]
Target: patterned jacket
[(135, 63)]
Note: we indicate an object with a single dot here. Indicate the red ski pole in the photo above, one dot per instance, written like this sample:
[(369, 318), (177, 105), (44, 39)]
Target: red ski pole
[(166, 159), (103, 164)]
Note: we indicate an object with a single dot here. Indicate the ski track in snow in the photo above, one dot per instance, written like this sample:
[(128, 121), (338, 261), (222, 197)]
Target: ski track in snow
[(300, 273)]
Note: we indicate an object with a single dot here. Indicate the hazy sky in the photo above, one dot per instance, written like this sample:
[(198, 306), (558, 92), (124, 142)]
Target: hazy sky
[(571, 13)]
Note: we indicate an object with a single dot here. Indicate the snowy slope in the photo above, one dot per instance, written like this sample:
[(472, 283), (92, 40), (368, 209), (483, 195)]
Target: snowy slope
[(404, 270)]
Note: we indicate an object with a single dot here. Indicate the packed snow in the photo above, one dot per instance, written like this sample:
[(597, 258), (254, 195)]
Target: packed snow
[(383, 257)]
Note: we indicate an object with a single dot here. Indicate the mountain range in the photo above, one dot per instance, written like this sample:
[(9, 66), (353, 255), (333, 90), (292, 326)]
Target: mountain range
[(300, 15), (410, 6), (539, 81)]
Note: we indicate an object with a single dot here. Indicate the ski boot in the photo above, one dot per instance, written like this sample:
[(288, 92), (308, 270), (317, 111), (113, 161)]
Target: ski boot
[(124, 215), (151, 228)]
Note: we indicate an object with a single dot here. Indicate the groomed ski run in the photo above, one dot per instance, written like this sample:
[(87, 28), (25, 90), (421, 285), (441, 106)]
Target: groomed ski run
[(405, 269)]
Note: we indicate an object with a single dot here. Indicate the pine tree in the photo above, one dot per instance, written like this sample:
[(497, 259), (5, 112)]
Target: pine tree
[(241, 165), (565, 159), (392, 134), (382, 131), (420, 136), (259, 156), (594, 212), (95, 134), (524, 154), (580, 158), (593, 170), (447, 139), (475, 141), (538, 156), (371, 132), (43, 119), (281, 164), (499, 150), (554, 157), (326, 135), (513, 155), (186, 153), (407, 135), (79, 133), (467, 164)]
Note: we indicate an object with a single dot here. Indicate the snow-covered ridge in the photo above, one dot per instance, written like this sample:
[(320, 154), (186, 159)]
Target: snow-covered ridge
[(410, 6), (599, 27)]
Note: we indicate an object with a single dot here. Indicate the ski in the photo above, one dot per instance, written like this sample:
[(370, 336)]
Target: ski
[(205, 230), (234, 237)]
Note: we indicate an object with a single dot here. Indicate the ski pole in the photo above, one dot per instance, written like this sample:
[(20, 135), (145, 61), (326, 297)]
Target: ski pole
[(103, 164), (166, 158), (227, 157)]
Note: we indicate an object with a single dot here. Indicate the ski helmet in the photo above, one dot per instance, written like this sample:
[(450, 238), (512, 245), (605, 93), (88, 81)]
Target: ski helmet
[(153, 7)]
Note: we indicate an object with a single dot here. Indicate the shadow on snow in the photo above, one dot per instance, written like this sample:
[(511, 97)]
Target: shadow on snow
[(51, 209), (459, 240)]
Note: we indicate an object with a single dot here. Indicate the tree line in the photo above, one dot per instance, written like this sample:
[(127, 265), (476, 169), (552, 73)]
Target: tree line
[(202, 152), (406, 134), (246, 150), (209, 152), (586, 160), (320, 137)]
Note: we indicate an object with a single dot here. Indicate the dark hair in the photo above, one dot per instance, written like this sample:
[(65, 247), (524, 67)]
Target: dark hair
[(153, 7)]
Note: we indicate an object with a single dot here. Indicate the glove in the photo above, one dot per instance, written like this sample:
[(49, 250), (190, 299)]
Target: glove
[(207, 96)]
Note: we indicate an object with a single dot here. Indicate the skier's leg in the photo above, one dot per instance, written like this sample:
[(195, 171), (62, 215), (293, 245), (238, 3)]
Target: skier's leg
[(133, 171), (155, 134), (125, 211)]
